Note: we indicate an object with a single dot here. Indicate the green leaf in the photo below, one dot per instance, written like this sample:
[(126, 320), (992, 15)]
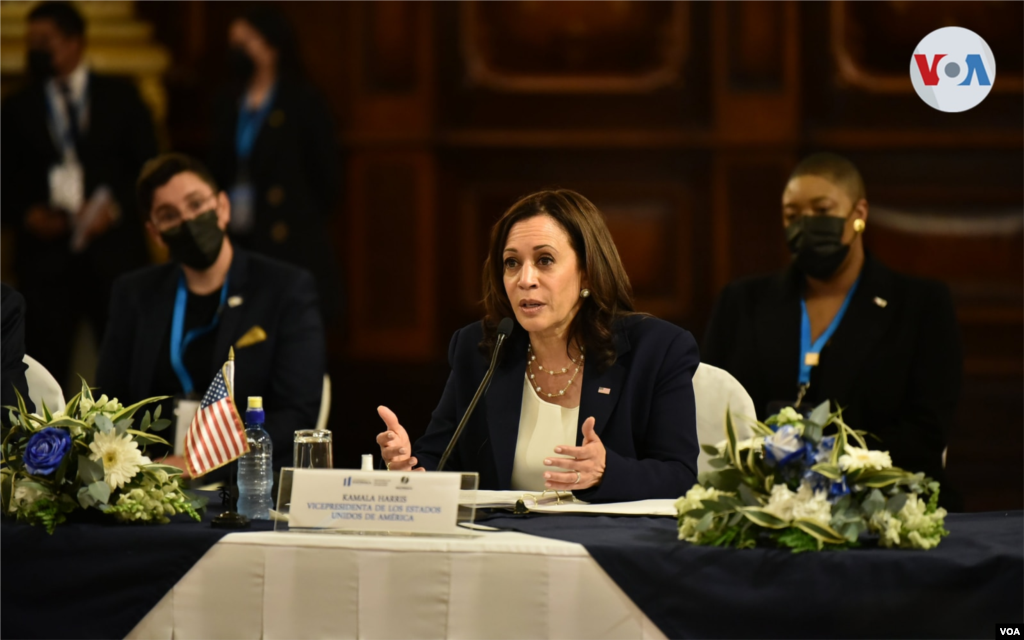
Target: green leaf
[(731, 502), (128, 412), (710, 449), (830, 471), (146, 421), (86, 391), (852, 530), (874, 502), (103, 423), (718, 463), (705, 522), (762, 518), (723, 480), (896, 502), (159, 425), (821, 532), (730, 433), (748, 496), (85, 498), (122, 426), (820, 415), (735, 519), (166, 468), (882, 478), (72, 405), (812, 432), (6, 491), (100, 491), (156, 414), (69, 422), (46, 411), (715, 506), (89, 471), (146, 438), (62, 470)]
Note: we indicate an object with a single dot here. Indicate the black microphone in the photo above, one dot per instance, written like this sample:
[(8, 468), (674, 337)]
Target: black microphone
[(504, 329)]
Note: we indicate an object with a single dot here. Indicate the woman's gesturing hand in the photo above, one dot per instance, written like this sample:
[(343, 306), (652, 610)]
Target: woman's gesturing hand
[(586, 467), (394, 443)]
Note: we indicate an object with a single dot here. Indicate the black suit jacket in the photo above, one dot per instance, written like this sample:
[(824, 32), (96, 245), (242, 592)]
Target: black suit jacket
[(118, 140), (647, 421), (12, 346), (893, 364), (294, 171), (287, 368)]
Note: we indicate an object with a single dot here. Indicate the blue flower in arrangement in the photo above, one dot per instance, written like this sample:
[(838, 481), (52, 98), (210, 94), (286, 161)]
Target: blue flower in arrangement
[(784, 446), (837, 489), (45, 450)]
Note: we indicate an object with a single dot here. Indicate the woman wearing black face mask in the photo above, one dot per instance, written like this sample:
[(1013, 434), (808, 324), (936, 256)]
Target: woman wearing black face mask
[(838, 325), (274, 150)]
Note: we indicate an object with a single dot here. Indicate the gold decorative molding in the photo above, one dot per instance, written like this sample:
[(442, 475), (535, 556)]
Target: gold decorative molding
[(118, 44)]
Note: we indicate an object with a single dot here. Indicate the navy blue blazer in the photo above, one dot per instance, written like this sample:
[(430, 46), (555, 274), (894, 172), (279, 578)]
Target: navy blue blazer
[(286, 368), (647, 420)]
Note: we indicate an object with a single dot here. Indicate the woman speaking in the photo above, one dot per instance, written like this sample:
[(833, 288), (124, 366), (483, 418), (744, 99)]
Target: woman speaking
[(588, 396)]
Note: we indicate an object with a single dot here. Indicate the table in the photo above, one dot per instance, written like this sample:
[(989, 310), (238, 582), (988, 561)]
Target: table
[(305, 585)]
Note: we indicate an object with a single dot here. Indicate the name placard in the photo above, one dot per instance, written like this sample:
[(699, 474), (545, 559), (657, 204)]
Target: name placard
[(374, 500)]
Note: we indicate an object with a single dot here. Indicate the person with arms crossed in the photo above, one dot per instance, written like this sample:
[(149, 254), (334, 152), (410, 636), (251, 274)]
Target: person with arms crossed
[(838, 325), (589, 396), (172, 325)]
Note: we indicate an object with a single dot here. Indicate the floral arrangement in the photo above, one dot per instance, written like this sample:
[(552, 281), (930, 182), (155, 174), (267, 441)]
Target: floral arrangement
[(794, 487), (87, 456)]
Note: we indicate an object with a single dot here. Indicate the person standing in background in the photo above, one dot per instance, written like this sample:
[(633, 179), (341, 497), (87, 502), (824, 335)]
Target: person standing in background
[(274, 150), (73, 143)]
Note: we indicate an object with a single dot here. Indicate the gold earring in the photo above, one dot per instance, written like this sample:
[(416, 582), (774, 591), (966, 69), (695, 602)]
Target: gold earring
[(859, 225), (585, 293)]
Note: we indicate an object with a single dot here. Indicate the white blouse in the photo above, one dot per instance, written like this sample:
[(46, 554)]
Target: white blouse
[(542, 427)]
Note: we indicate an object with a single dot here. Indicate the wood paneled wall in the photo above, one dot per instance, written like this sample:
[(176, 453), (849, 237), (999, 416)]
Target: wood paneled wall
[(681, 121)]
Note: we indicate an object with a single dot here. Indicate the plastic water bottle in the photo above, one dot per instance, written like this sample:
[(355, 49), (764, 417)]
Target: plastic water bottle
[(255, 468)]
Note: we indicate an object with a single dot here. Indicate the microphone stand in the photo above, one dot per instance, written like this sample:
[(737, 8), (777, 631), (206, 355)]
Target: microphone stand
[(504, 329)]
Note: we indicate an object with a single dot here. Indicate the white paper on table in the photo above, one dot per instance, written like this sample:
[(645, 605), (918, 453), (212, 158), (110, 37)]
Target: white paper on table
[(100, 200), (184, 411), (67, 186), (564, 503)]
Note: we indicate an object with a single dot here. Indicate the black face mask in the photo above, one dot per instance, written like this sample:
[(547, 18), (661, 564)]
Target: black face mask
[(240, 64), (816, 243), (196, 243), (40, 64)]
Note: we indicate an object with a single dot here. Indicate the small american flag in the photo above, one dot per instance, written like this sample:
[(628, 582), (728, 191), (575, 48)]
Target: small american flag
[(216, 435)]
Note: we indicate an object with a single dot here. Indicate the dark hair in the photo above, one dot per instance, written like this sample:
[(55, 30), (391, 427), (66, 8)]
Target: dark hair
[(65, 16), (611, 296), (835, 168), (275, 28), (159, 171)]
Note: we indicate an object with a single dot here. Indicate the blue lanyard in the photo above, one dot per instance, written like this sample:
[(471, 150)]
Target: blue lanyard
[(809, 352), (178, 345), (64, 134), (249, 123)]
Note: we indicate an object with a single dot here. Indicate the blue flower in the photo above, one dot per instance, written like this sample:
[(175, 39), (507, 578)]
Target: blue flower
[(45, 450), (837, 489), (784, 446), (824, 452)]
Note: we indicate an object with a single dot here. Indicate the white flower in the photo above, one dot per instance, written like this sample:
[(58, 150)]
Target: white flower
[(24, 495), (857, 458), (120, 455), (693, 497), (789, 415), (805, 503), (100, 405), (887, 527), (783, 444)]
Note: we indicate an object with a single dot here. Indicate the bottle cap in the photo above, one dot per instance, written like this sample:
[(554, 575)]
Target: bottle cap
[(367, 462), (255, 402)]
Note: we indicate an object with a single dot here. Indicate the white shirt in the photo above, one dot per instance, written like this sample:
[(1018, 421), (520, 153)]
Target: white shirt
[(542, 427), (78, 83)]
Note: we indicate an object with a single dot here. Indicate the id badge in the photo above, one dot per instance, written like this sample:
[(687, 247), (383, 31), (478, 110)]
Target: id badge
[(67, 186), (243, 204), (184, 411)]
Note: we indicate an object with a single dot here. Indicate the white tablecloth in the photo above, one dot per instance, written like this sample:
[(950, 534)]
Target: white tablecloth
[(303, 585)]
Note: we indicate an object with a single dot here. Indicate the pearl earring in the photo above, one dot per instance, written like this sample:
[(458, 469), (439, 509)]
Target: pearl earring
[(585, 293)]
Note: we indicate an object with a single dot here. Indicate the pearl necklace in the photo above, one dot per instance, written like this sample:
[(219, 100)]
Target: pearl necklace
[(551, 372)]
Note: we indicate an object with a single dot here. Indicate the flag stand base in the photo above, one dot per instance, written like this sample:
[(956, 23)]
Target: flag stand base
[(230, 520)]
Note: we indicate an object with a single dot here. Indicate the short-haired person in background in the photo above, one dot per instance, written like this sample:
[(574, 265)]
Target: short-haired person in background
[(210, 297), (893, 362), (275, 153), (12, 348), (589, 396), (73, 144)]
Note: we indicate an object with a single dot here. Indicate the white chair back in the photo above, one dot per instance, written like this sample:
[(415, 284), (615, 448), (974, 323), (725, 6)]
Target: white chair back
[(715, 389), (42, 386)]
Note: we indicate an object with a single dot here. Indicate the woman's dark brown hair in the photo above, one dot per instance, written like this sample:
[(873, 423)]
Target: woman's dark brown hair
[(611, 296)]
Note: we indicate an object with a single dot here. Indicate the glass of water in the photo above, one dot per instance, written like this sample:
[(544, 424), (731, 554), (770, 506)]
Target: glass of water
[(313, 449)]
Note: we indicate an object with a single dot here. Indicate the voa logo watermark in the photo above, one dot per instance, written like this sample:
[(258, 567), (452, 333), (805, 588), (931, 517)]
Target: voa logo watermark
[(1007, 630), (952, 69)]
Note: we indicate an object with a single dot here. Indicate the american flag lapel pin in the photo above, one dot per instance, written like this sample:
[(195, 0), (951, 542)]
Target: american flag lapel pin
[(604, 390), (881, 302)]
